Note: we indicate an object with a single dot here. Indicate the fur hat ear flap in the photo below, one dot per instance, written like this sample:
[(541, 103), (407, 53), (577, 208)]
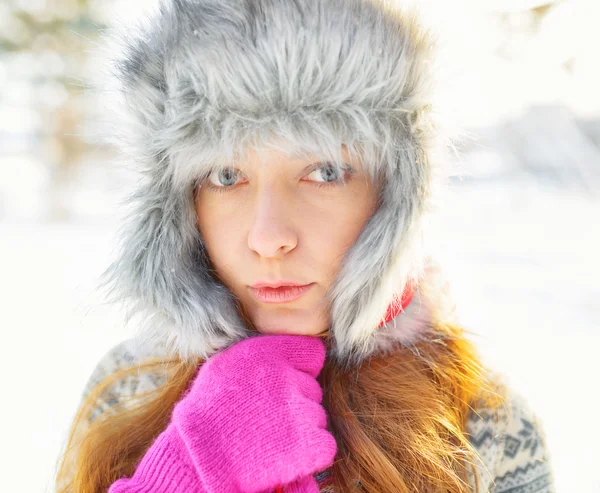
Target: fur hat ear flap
[(164, 274)]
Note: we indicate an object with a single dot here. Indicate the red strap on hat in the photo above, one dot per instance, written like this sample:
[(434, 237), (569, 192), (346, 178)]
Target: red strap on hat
[(398, 305)]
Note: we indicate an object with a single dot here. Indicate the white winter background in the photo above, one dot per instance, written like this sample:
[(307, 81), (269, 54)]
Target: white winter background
[(517, 232)]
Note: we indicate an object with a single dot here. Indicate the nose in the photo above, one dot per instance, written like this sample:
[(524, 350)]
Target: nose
[(272, 232)]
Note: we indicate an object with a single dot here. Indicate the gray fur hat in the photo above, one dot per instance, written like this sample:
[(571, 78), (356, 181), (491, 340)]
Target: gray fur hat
[(200, 80)]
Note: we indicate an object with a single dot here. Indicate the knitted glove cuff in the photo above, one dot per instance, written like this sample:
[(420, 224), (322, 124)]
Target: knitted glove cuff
[(166, 467)]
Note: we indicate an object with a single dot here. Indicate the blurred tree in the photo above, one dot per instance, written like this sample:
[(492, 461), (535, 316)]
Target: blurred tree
[(47, 41)]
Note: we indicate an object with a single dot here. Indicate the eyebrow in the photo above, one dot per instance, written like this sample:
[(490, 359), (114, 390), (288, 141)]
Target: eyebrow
[(300, 153), (308, 155), (299, 158)]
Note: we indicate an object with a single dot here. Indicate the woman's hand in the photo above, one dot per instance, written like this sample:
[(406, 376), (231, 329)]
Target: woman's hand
[(252, 418), (250, 421)]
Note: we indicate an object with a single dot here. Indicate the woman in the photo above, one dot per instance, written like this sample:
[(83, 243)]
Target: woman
[(279, 142)]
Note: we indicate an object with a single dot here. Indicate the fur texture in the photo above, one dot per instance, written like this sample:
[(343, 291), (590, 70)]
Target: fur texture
[(200, 80)]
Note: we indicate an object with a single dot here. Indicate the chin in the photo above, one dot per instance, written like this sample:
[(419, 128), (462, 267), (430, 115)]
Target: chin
[(296, 323), (292, 330), (280, 330)]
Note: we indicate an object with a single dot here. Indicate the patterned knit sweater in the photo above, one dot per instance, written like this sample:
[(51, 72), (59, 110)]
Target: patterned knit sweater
[(510, 442)]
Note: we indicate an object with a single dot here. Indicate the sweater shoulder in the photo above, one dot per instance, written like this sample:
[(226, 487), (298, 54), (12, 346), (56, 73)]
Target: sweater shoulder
[(511, 443), (127, 354)]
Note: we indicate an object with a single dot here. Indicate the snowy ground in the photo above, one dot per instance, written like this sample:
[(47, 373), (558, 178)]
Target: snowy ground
[(523, 266)]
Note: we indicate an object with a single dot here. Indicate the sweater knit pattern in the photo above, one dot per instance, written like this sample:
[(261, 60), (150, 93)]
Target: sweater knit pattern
[(510, 442)]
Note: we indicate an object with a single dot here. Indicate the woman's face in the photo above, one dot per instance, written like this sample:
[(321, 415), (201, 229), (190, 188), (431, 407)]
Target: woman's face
[(283, 219)]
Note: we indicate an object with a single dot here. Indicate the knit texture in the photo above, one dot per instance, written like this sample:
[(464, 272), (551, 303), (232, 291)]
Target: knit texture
[(250, 421), (165, 467), (511, 444)]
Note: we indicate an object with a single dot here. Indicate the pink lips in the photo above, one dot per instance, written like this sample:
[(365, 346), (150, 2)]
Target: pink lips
[(281, 294)]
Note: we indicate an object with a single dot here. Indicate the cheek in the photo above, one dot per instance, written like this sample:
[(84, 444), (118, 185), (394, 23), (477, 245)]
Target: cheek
[(354, 211), (216, 231), (337, 230)]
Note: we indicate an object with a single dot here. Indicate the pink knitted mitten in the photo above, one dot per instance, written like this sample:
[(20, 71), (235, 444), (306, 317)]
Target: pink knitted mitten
[(250, 421)]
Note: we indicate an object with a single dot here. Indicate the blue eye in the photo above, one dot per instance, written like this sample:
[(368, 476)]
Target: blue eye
[(329, 170), (227, 176)]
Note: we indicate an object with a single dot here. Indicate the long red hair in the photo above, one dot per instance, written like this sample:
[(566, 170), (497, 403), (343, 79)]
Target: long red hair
[(399, 420)]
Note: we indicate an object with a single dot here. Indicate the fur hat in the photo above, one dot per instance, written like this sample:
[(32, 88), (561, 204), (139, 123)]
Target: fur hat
[(200, 80)]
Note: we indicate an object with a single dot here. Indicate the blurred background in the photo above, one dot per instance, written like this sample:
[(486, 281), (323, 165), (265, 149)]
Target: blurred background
[(517, 231)]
